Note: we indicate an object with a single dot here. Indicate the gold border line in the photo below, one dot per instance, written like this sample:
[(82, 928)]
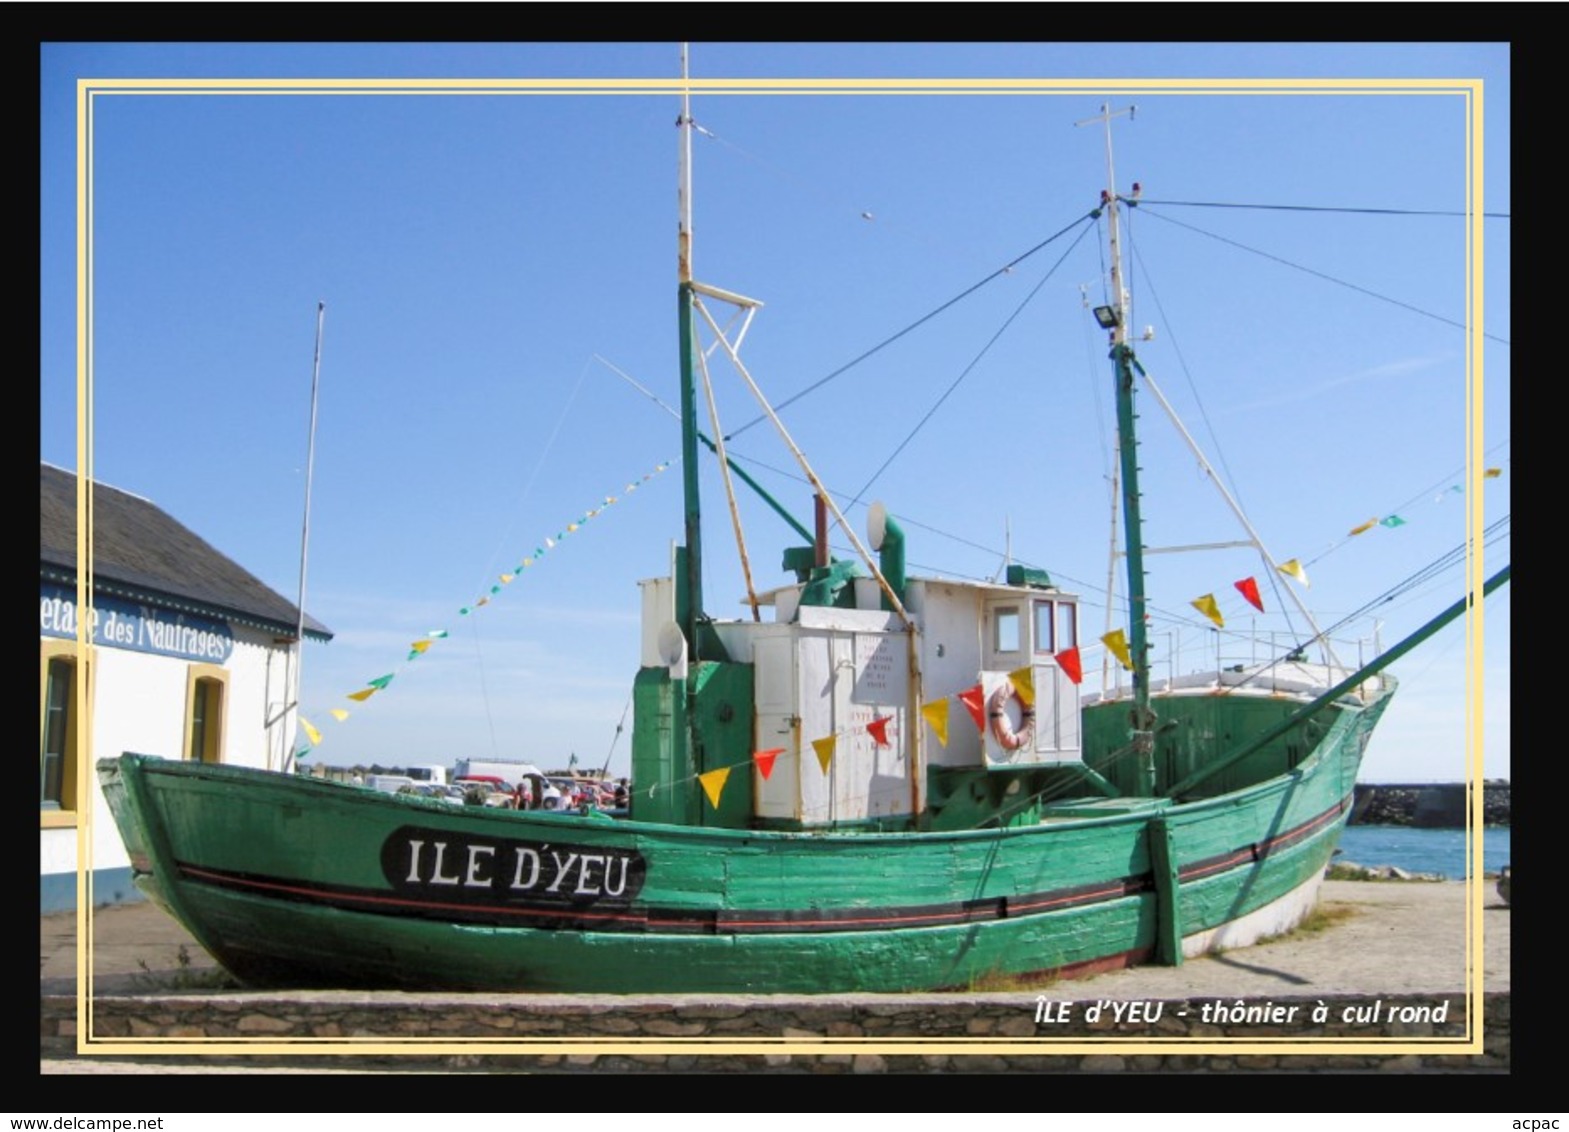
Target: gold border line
[(1471, 89)]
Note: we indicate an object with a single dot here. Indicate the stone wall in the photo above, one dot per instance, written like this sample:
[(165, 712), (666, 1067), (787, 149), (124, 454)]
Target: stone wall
[(960, 1033), (1427, 806)]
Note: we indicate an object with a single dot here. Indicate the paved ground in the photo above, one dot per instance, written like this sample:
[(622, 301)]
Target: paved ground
[(1376, 938), (1380, 938)]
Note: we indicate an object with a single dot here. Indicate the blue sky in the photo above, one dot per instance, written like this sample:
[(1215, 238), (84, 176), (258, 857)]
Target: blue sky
[(489, 262)]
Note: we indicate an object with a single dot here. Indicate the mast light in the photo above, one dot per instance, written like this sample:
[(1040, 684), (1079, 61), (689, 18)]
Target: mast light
[(1107, 317)]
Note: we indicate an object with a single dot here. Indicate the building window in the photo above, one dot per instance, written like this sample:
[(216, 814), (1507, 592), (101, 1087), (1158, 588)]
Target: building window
[(206, 710), (58, 731)]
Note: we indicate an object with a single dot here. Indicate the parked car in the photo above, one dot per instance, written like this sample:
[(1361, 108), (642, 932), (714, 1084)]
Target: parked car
[(432, 790)]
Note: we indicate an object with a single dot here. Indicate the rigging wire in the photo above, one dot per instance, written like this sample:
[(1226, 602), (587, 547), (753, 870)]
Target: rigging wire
[(505, 538), (1006, 269), (605, 770), (841, 205), (1441, 485), (1321, 208), (1209, 428), (969, 369), (1321, 275)]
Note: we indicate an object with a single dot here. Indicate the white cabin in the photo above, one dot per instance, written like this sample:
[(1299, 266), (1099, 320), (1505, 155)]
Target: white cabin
[(824, 673)]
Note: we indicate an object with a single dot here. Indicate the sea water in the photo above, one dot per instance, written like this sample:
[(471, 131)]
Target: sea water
[(1440, 851)]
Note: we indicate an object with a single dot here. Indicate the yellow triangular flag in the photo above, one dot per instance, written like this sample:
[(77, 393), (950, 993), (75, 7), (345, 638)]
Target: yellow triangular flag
[(1206, 605), (1023, 681), (506, 579), (936, 714), (339, 714), (825, 751), (1293, 569), (364, 694), (420, 646), (1367, 526), (714, 783), (1117, 642), (1492, 473), (311, 731)]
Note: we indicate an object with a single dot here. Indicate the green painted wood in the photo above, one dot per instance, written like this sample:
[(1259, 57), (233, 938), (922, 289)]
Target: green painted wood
[(266, 869), (1164, 871), (723, 725)]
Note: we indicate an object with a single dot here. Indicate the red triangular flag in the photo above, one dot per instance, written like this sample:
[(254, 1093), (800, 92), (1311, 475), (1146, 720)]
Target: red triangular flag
[(765, 760), (1068, 661), (878, 730), (1249, 589), (975, 700)]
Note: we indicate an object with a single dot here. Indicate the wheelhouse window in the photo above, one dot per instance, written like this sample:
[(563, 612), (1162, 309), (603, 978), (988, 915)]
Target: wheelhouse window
[(1005, 629), (1067, 626), (1045, 626)]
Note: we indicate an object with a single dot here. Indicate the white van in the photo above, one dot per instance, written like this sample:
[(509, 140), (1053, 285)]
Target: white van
[(388, 783)]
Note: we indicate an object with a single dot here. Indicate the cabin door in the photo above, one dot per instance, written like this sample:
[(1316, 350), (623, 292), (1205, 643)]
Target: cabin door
[(778, 795)]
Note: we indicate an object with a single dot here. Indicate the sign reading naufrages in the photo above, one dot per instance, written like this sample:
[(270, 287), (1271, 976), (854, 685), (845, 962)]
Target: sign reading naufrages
[(136, 626)]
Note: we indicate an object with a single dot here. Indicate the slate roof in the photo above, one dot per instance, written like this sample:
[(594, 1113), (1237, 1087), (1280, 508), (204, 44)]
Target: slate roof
[(143, 552)]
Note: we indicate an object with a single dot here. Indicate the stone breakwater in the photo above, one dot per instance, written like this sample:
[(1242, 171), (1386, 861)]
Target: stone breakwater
[(952, 1033), (1428, 805)]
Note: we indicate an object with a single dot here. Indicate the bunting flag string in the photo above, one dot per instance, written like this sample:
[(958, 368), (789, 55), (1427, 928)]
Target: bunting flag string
[(1209, 608), (1293, 569), (974, 701), (315, 735), (936, 716), (1117, 642), (419, 648), (714, 783), (1023, 681)]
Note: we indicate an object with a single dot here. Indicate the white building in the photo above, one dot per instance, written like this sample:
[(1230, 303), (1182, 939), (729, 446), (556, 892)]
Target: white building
[(191, 657)]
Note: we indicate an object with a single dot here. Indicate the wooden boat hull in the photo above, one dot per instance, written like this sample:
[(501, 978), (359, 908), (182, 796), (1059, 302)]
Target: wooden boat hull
[(290, 881)]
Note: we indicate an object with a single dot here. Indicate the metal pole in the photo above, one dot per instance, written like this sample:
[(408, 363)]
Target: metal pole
[(692, 580), (305, 541)]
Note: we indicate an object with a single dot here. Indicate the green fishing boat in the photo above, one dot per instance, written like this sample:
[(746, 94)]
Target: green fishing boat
[(875, 782)]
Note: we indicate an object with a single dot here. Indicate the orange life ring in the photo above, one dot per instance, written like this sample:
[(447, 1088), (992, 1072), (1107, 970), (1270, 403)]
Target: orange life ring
[(1002, 728)]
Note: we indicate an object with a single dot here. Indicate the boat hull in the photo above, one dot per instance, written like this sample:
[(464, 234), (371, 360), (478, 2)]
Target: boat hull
[(290, 881)]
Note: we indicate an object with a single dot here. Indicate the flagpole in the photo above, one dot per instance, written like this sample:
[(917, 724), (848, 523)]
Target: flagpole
[(305, 539)]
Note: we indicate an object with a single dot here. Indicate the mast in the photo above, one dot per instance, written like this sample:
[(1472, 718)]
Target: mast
[(689, 585), (1116, 318)]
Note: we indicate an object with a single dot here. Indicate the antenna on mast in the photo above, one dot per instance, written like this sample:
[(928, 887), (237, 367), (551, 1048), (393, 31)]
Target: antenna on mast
[(684, 186), (1115, 318), (1121, 300)]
